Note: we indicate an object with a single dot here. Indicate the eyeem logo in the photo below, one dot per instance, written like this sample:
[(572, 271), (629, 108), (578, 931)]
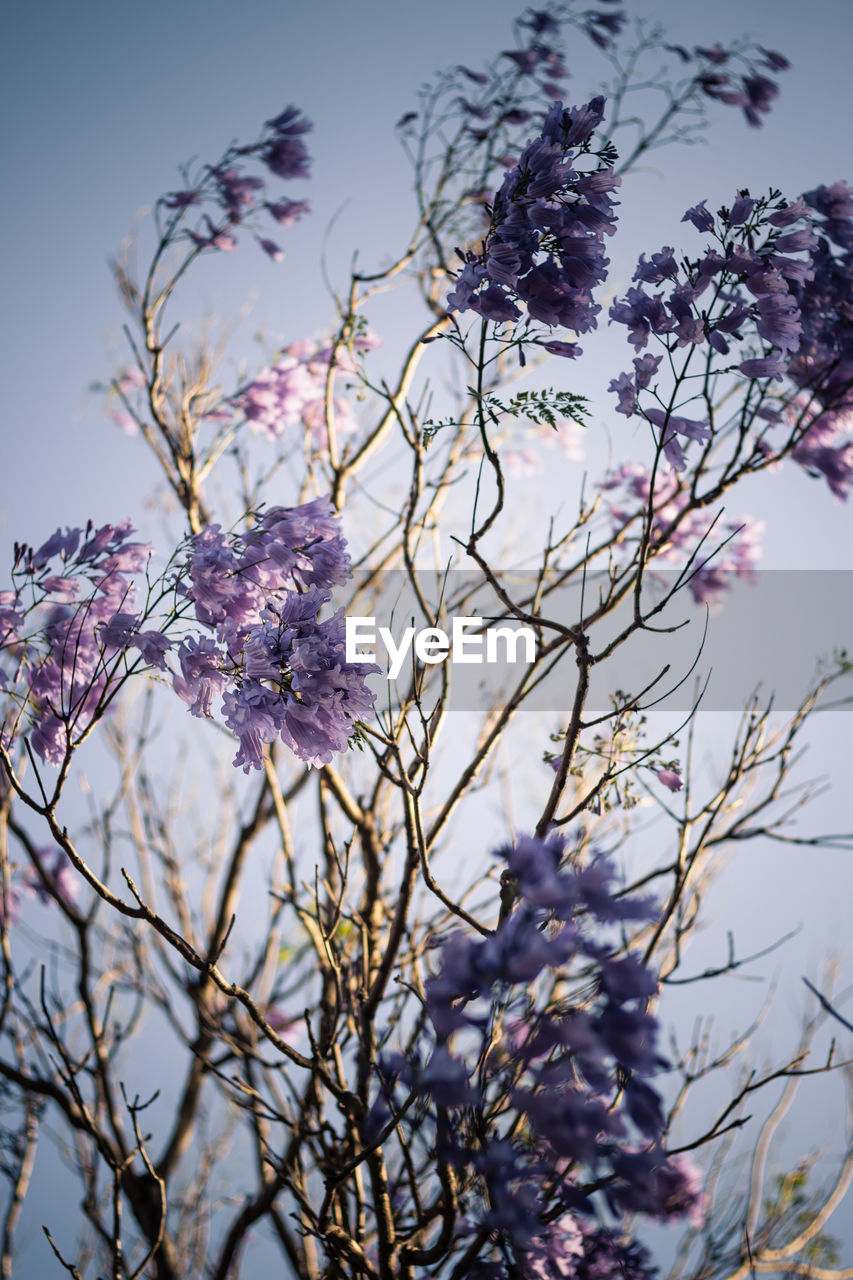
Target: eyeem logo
[(432, 645)]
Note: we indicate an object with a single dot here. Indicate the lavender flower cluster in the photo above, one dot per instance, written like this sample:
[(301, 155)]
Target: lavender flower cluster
[(769, 280), (752, 286), (545, 244), (231, 194), (539, 1078), (542, 62), (675, 537), (744, 84), (750, 294), (292, 392), (67, 630), (281, 672), (543, 250), (52, 879), (822, 366), (65, 633)]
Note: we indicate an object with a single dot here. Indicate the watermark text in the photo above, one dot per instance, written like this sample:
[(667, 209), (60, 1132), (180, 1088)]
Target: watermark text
[(469, 641)]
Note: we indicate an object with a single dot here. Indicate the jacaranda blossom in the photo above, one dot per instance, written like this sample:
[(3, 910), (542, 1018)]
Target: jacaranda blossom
[(280, 669), (544, 250)]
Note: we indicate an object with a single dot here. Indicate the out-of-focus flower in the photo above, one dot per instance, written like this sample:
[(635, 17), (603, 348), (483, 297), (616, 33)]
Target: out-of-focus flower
[(670, 779)]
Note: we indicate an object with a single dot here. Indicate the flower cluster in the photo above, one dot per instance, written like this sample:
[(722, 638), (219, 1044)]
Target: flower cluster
[(750, 286), (575, 1250), (742, 290), (69, 635), (231, 195), (543, 62), (822, 365), (50, 879), (780, 279), (66, 630), (545, 244), (292, 392), (744, 83), (57, 880), (602, 25), (723, 551), (281, 672), (571, 1070)]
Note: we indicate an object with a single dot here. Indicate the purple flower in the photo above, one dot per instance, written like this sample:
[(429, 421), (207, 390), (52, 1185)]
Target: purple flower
[(60, 544), (285, 154), (541, 22), (643, 315), (607, 1255), (287, 158), (544, 247), (702, 218), (665, 1187), (282, 671), (181, 199), (278, 397), (201, 676), (117, 632), (777, 61), (253, 714), (494, 303), (286, 212), (575, 1077), (796, 241), (741, 211), (574, 127), (715, 54), (661, 267), (305, 542), (671, 779), (788, 213), (525, 59), (624, 388), (834, 464), (445, 1079), (216, 238), (779, 321), (80, 621), (760, 92), (671, 426), (215, 584), (272, 249), (644, 1107), (236, 190), (467, 282), (772, 366), (152, 646), (603, 27), (476, 76), (570, 350), (645, 369), (57, 879), (534, 865), (290, 122)]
